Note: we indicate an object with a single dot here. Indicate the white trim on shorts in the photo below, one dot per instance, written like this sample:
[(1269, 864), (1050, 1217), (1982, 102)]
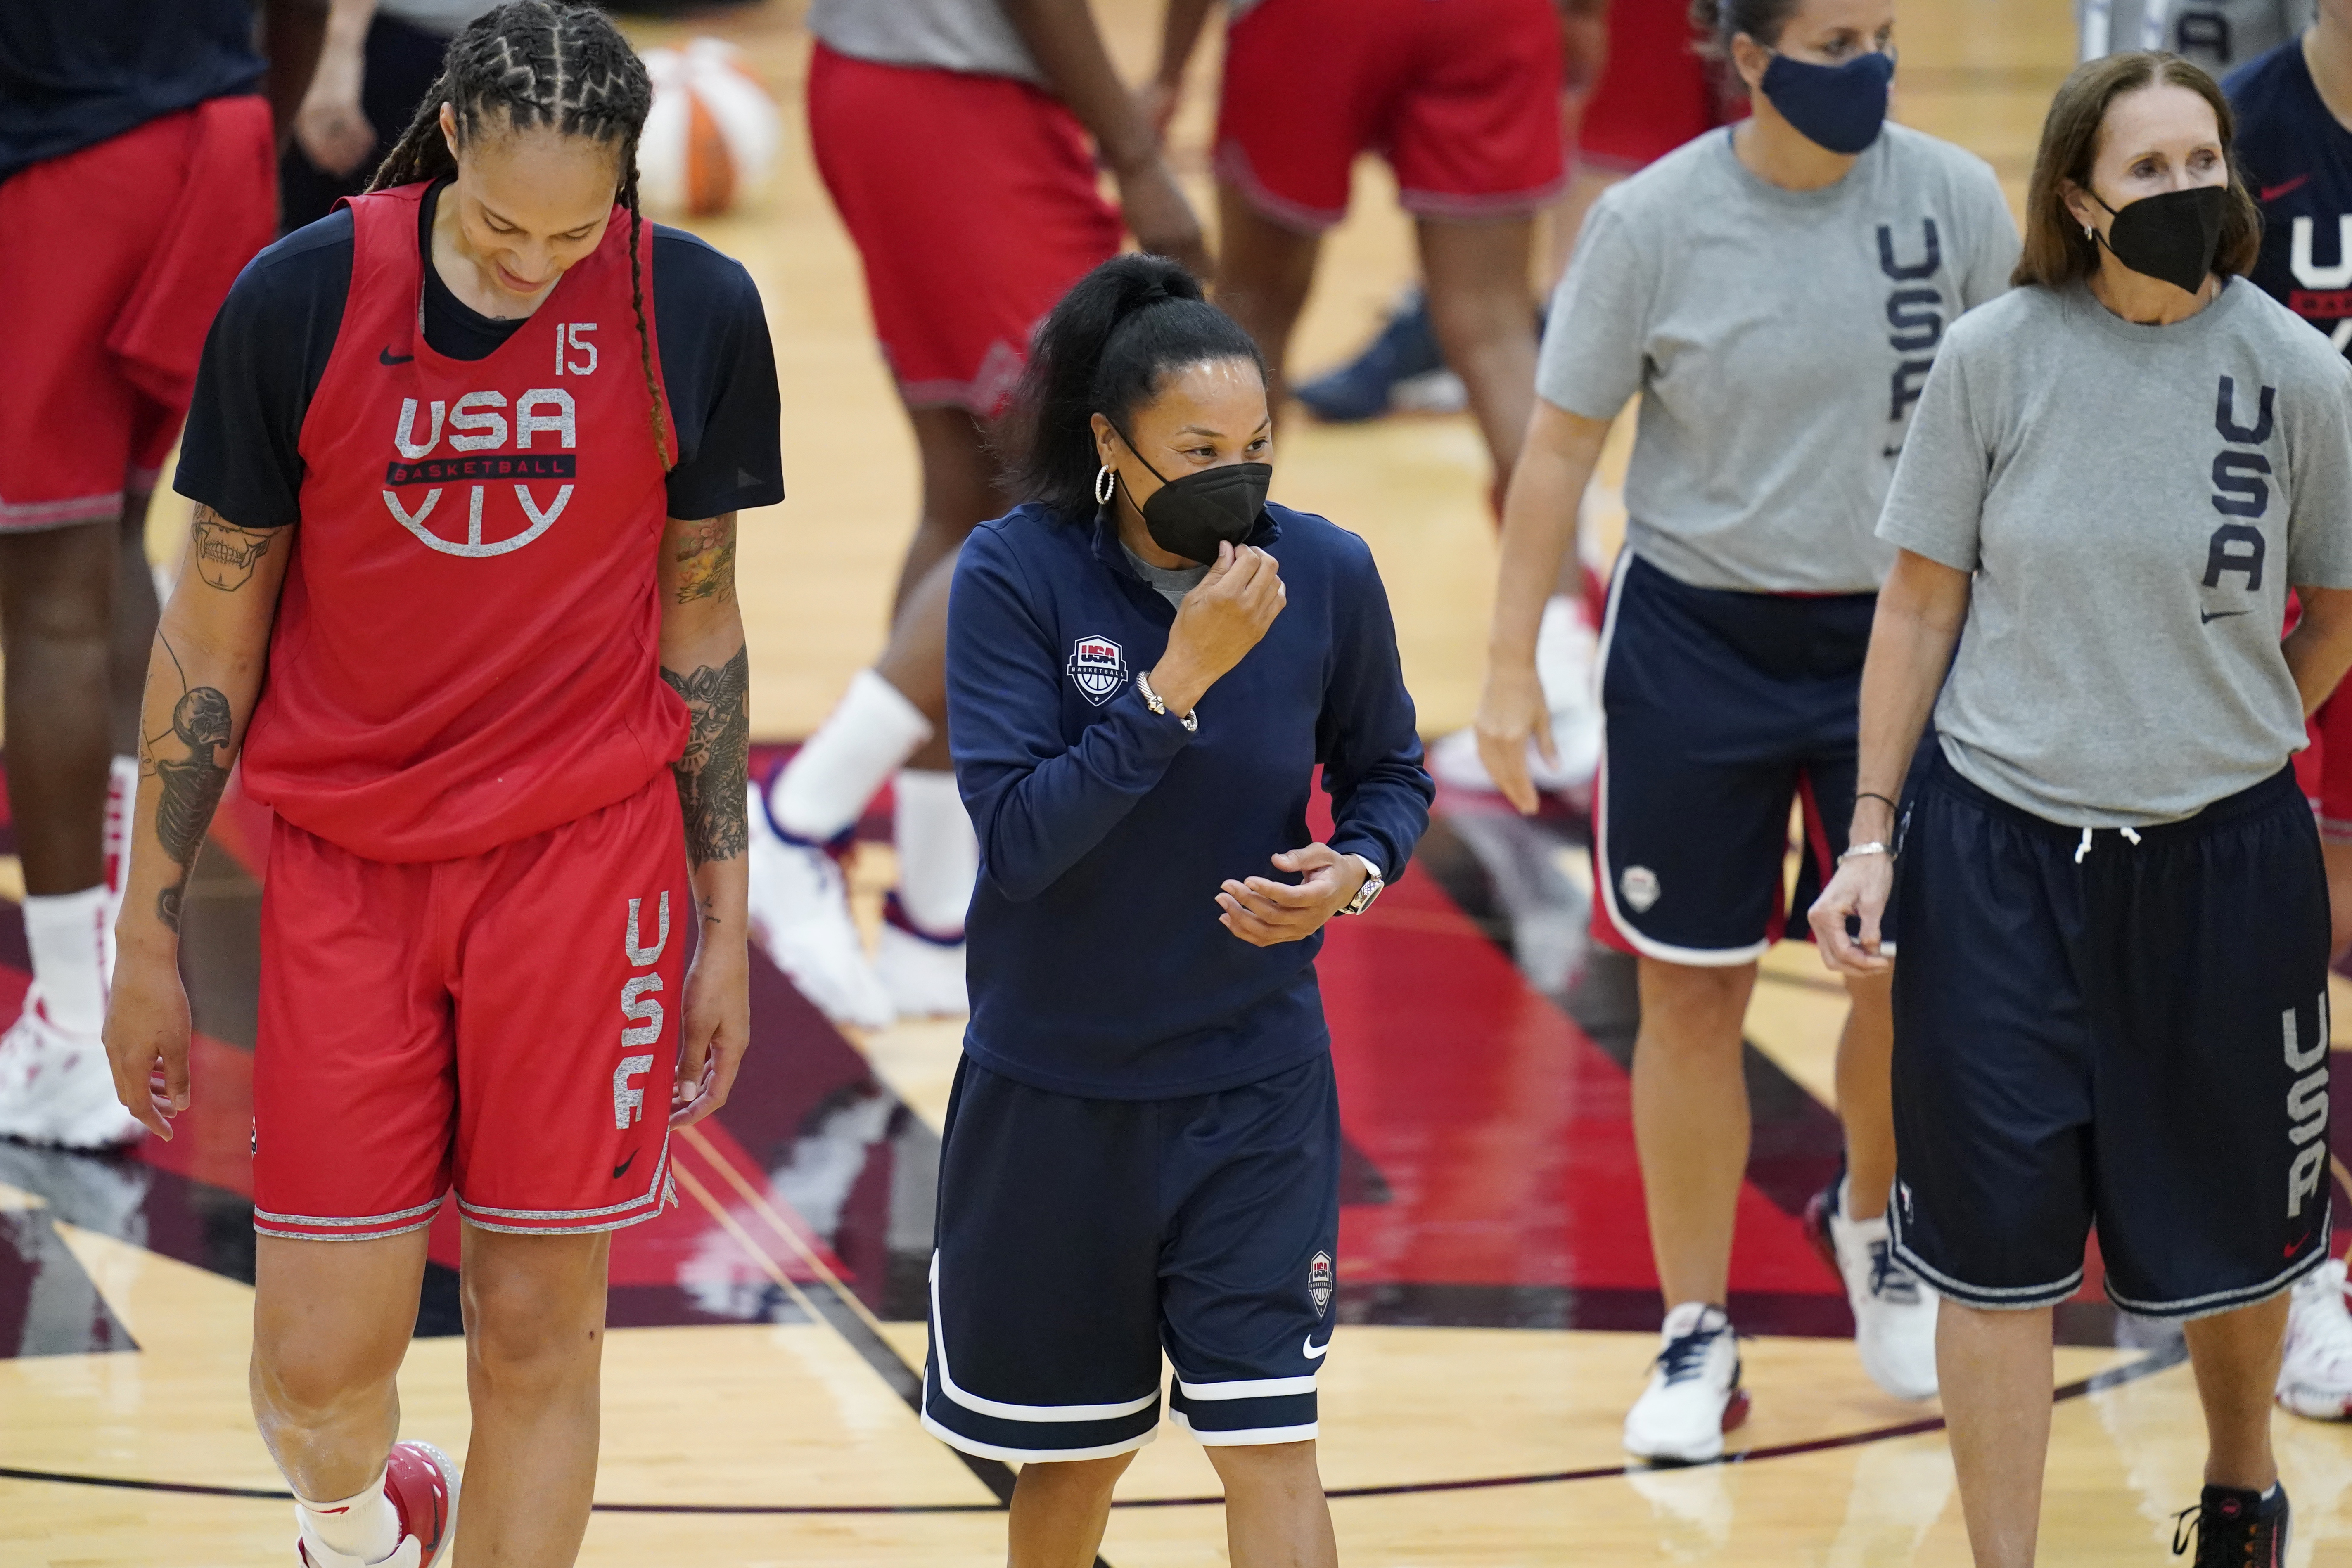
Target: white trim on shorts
[(1250, 1388), (264, 1222), (1991, 1298), (1004, 1411), (1256, 1436), (955, 1440), (2220, 1301), (1648, 947), (653, 1195)]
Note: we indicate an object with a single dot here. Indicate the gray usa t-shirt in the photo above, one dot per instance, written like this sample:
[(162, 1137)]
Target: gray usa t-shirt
[(1780, 341), (2135, 502)]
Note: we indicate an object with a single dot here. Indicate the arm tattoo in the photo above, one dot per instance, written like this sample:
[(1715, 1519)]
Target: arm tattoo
[(706, 559), (191, 784), (710, 775), (227, 554)]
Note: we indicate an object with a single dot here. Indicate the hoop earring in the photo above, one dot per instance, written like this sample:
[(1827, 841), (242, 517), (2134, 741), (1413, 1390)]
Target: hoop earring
[(2091, 232), (1106, 485)]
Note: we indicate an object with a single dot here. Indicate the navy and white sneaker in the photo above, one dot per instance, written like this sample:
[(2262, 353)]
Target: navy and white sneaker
[(1894, 1309), (1365, 387), (1694, 1396)]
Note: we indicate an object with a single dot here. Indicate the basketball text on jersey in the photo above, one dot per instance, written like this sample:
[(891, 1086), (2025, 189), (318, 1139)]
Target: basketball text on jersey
[(2241, 490), (643, 1008), (2307, 1107), (478, 421)]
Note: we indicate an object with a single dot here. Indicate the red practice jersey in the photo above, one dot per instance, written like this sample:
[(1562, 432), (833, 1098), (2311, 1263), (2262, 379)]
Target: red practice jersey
[(467, 652)]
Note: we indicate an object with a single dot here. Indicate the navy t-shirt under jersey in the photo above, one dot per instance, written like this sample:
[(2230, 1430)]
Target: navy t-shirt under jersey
[(74, 73), (269, 345), (2298, 162), (1097, 967)]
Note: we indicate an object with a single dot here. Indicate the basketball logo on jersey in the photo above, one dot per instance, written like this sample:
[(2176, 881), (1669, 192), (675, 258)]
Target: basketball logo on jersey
[(476, 423), (1639, 888), (1097, 667), (1320, 1282)]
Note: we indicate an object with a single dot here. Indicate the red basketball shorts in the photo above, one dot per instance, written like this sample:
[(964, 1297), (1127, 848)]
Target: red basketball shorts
[(974, 203), (1655, 92), (113, 262), (505, 1024), (1462, 99), (2324, 767)]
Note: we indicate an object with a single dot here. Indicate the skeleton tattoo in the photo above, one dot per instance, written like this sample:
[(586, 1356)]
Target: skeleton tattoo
[(227, 554), (718, 749), (191, 786)]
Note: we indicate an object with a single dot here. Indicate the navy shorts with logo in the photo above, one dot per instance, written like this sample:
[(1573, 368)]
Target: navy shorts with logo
[(1722, 710), (2099, 1030), (1079, 1238)]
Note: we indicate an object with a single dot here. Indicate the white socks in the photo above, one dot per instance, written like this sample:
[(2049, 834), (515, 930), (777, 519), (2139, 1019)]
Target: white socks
[(362, 1528), (938, 854), (828, 781), (67, 935), (122, 801)]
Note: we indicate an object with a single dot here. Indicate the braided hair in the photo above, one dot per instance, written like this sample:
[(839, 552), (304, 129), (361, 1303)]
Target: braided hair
[(546, 63)]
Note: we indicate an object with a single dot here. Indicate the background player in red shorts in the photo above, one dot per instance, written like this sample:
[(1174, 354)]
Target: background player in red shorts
[(952, 135), (134, 128), (434, 448)]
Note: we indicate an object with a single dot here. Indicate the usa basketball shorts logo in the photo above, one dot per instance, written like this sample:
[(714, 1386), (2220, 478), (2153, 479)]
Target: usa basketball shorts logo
[(1639, 888), (1319, 1282), (1098, 668)]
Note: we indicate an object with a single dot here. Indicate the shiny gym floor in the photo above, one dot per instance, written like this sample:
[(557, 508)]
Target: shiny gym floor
[(1496, 1287)]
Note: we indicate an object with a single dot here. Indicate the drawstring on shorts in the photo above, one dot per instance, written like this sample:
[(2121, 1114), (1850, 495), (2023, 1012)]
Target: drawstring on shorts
[(2084, 847)]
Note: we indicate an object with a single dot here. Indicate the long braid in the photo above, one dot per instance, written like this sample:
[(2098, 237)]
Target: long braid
[(552, 64)]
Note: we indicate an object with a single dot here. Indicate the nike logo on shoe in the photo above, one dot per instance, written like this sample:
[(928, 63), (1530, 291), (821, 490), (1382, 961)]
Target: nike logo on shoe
[(623, 1168), (386, 357), (2272, 193), (2206, 617)]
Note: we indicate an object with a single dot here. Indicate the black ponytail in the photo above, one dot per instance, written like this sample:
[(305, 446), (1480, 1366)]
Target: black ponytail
[(1105, 349), (546, 63)]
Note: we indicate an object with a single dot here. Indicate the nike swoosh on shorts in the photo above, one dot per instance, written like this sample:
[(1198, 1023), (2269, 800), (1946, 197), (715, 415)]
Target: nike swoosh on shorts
[(1314, 1351)]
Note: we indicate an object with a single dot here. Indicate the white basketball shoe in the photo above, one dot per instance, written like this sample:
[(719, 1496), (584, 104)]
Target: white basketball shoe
[(800, 916), (1694, 1396), (1894, 1309), (2316, 1374), (922, 973), (1567, 661), (56, 1087)]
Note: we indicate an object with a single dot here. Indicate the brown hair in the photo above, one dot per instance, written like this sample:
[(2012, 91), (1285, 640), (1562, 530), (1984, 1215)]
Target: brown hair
[(1718, 22), (2056, 250)]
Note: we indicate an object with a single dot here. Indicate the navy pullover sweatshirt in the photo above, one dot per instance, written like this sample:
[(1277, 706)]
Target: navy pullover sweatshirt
[(1096, 965)]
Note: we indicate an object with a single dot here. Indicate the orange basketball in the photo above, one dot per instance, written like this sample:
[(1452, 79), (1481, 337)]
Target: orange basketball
[(711, 134)]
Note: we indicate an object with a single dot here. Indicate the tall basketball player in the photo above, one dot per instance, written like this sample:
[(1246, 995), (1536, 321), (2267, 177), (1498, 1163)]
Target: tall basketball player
[(1776, 293), (468, 457), (981, 120), (2111, 1006), (136, 127), (2294, 142)]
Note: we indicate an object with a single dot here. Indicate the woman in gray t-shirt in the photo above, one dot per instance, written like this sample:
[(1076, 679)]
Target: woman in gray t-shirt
[(1775, 292), (2112, 1004)]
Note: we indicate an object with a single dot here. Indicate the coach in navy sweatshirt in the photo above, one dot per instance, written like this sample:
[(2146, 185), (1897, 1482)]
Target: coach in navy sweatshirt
[(1146, 663)]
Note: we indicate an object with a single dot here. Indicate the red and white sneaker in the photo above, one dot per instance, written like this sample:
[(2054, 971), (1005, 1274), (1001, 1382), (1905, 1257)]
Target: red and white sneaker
[(422, 1483)]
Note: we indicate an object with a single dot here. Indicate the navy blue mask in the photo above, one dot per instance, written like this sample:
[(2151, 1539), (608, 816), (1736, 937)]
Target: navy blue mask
[(1840, 109)]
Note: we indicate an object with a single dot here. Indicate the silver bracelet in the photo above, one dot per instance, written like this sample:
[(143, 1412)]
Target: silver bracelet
[(1151, 699), (1856, 850)]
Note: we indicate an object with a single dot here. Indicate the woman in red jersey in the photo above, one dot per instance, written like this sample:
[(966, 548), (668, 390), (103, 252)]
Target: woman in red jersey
[(466, 459)]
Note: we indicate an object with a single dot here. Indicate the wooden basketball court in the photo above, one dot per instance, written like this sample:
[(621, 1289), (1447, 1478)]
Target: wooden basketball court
[(1496, 1293)]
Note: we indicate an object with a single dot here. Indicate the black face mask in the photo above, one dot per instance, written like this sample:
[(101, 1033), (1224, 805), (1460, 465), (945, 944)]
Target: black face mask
[(1192, 516), (2172, 236)]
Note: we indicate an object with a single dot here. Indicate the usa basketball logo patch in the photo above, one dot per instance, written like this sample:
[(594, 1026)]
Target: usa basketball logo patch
[(1319, 1282), (1097, 667)]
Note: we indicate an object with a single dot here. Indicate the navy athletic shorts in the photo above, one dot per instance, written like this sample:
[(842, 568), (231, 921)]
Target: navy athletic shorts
[(1722, 710), (2091, 1030), (1079, 1238)]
